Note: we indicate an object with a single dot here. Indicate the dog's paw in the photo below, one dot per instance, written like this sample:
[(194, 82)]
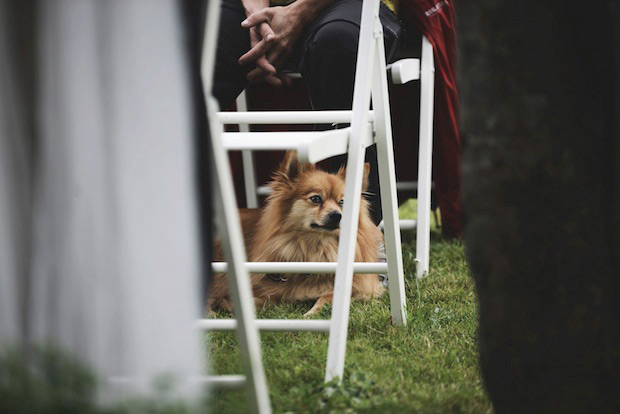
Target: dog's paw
[(312, 312)]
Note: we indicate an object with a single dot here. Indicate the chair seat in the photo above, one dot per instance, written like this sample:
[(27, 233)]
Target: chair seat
[(311, 146), (287, 117)]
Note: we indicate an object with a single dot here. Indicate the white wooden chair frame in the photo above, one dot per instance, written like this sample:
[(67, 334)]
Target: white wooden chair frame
[(366, 128), (402, 71)]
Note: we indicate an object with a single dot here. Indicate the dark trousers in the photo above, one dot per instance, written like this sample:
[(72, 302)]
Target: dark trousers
[(325, 56)]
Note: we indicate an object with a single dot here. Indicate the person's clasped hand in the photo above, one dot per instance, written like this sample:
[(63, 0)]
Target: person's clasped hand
[(273, 34)]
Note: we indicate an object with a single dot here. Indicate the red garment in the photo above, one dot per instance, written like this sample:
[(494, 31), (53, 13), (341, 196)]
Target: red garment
[(436, 20)]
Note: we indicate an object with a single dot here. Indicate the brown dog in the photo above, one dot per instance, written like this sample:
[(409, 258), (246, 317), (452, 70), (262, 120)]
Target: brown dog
[(300, 223)]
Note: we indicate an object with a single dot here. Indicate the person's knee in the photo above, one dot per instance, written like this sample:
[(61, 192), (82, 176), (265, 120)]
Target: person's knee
[(336, 41), (328, 65)]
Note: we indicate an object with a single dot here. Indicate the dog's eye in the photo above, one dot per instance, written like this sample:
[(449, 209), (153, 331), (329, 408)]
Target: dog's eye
[(316, 199), (341, 203)]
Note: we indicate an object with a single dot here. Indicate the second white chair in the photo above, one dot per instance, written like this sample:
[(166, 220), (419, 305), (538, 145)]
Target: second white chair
[(401, 72)]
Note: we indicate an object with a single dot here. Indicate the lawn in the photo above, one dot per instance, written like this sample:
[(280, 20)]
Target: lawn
[(429, 366)]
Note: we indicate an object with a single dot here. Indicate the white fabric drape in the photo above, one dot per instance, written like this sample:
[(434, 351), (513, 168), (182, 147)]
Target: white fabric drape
[(98, 238)]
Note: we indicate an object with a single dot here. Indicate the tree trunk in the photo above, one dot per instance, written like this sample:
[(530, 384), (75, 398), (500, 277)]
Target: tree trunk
[(540, 108)]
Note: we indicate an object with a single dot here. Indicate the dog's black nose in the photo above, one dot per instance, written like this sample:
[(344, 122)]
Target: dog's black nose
[(333, 219)]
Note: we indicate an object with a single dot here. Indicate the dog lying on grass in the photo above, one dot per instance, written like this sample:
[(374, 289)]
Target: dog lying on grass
[(301, 223)]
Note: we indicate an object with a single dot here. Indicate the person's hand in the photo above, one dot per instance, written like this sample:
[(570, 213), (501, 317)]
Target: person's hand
[(260, 37), (286, 25)]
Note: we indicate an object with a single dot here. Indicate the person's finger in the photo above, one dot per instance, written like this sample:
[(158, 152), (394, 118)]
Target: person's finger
[(261, 16), (265, 31), (263, 69), (254, 38), (256, 52), (257, 75), (286, 81), (274, 81), (264, 64), (277, 54)]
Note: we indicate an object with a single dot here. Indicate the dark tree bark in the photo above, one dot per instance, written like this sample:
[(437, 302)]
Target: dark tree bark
[(541, 119)]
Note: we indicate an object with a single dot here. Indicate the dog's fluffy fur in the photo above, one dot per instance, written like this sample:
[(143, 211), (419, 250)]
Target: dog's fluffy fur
[(294, 227)]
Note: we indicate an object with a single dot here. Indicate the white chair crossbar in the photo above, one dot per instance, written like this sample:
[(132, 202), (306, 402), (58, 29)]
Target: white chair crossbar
[(273, 325), (224, 382), (304, 267)]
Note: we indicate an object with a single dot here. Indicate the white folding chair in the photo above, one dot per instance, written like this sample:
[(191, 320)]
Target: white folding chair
[(366, 127), (401, 72)]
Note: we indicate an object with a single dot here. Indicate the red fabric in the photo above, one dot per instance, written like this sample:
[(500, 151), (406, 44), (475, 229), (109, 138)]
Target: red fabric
[(436, 20)]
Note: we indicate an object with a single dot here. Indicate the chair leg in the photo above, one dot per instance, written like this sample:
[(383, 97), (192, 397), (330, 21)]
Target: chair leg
[(238, 278), (232, 238), (336, 349), (247, 159), (387, 184), (427, 79)]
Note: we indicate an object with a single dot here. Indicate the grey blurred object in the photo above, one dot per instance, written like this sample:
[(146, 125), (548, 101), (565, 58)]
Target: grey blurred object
[(540, 89), (99, 248)]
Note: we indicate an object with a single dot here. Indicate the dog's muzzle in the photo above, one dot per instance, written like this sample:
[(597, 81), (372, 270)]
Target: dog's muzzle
[(331, 223)]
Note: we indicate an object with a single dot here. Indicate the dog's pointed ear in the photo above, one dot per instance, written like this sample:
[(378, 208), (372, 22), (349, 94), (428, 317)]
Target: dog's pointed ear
[(342, 173), (290, 168), (365, 179)]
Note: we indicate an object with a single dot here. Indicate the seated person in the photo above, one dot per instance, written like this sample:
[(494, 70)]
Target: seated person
[(318, 38)]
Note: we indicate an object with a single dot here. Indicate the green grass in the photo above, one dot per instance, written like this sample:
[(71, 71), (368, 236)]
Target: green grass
[(429, 366)]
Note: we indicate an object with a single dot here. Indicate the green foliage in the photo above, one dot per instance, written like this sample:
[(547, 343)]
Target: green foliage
[(428, 366), (44, 380), (163, 401), (356, 393), (47, 380)]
